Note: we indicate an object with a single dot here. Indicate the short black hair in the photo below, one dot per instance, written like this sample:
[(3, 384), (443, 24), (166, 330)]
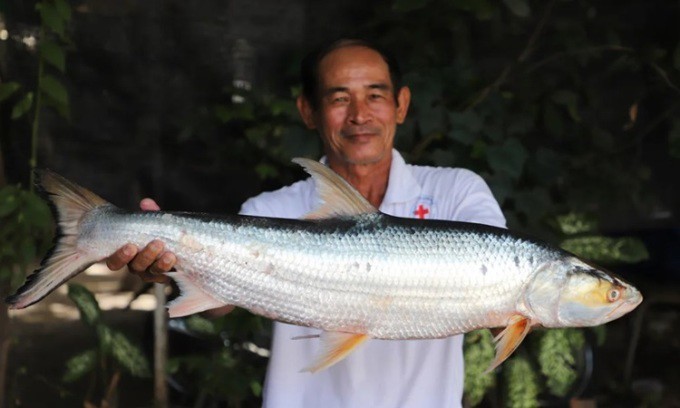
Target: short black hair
[(309, 68)]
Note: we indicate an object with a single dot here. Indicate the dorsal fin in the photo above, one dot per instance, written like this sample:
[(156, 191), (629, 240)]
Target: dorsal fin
[(337, 196)]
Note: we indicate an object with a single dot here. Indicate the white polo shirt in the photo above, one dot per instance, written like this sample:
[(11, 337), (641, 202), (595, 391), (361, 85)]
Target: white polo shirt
[(379, 373)]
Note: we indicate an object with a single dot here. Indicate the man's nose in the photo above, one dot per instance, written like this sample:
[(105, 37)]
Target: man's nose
[(359, 112)]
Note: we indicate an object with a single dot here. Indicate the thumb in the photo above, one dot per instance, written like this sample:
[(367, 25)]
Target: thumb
[(148, 204)]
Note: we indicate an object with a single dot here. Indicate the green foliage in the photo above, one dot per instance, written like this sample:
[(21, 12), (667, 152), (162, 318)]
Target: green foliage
[(607, 250), (479, 352), (54, 16), (230, 370), (556, 358), (86, 303), (80, 365), (113, 347), (25, 231), (522, 385)]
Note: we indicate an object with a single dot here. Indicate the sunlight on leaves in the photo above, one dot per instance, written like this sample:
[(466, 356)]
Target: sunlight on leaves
[(606, 250), (79, 365), (479, 352)]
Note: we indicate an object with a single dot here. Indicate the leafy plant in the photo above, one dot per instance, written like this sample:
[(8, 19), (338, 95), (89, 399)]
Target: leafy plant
[(113, 354), (24, 219)]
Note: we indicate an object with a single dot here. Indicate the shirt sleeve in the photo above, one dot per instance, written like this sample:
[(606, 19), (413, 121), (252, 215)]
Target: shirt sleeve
[(475, 201)]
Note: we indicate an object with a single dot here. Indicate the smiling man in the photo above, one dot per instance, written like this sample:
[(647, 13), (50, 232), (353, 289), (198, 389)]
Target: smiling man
[(353, 98)]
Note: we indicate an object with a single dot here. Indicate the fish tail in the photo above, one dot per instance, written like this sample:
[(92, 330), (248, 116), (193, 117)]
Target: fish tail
[(69, 203)]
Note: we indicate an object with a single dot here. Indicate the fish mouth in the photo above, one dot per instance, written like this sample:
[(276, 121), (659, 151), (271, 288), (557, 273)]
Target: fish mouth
[(631, 304)]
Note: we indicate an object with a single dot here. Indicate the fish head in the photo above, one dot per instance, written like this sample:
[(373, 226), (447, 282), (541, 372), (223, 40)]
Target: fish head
[(571, 293)]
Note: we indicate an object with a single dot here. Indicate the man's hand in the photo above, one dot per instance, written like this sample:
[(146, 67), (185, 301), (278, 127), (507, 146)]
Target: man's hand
[(150, 263)]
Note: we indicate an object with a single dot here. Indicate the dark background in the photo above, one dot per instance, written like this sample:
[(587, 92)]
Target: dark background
[(564, 107)]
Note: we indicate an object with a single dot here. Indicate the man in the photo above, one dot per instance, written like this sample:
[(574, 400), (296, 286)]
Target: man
[(353, 98)]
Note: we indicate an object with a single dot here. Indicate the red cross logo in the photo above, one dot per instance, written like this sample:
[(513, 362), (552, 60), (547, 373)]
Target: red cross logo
[(421, 211)]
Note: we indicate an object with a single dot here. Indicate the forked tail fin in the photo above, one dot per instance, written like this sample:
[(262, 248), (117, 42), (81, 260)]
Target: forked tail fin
[(69, 203)]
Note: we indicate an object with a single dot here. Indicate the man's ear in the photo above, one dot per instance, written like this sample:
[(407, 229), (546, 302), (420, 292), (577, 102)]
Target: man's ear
[(404, 99), (306, 112)]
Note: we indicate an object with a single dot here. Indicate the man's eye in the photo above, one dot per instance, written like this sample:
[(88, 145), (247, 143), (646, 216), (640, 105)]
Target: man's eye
[(376, 96), (339, 99)]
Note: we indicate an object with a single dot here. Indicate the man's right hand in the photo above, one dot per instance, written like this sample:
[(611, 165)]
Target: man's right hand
[(151, 262)]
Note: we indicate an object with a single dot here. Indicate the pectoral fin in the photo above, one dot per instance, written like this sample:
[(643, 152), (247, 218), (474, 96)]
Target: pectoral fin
[(509, 339), (334, 347), (192, 298)]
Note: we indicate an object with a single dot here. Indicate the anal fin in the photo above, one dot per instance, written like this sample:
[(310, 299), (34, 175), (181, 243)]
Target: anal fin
[(334, 347), (509, 339), (192, 298)]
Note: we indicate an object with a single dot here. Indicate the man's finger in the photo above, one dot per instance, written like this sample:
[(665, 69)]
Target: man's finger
[(164, 263), (147, 256), (148, 204), (121, 257)]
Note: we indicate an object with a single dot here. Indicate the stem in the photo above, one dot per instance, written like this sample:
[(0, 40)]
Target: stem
[(160, 348), (33, 162)]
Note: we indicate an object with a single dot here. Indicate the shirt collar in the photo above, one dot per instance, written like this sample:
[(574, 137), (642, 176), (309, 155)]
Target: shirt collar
[(401, 186)]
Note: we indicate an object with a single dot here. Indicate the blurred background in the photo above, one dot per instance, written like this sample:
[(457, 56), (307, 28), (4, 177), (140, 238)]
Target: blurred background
[(570, 110)]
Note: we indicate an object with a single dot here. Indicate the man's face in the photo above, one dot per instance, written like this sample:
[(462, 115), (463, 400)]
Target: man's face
[(357, 114)]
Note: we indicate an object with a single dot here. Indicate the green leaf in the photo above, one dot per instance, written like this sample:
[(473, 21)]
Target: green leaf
[(557, 360), (228, 113), (54, 88), (431, 119), (403, 6), (569, 100), (63, 109), (520, 8), (86, 303), (256, 388), (53, 54), (298, 142), (79, 365), (508, 158), (50, 17), (552, 120), (27, 249), (64, 9), (9, 200), (127, 354), (200, 325), (23, 106), (522, 384), (465, 126), (8, 89), (607, 250), (502, 187), (37, 211), (479, 351), (266, 170), (5, 273), (576, 223)]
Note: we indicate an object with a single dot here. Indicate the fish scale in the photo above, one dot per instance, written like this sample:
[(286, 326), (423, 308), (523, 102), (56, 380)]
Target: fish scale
[(439, 276), (348, 270)]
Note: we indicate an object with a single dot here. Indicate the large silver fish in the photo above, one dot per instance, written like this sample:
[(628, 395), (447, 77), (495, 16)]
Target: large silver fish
[(347, 269)]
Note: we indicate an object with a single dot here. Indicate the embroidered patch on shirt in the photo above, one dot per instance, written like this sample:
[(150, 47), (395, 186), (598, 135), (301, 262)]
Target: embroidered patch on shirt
[(423, 208)]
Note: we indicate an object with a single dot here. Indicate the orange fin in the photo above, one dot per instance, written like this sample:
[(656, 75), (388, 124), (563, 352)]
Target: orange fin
[(334, 347), (509, 339), (192, 298)]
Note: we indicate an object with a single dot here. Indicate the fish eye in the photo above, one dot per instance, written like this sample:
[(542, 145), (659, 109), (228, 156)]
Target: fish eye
[(613, 295)]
